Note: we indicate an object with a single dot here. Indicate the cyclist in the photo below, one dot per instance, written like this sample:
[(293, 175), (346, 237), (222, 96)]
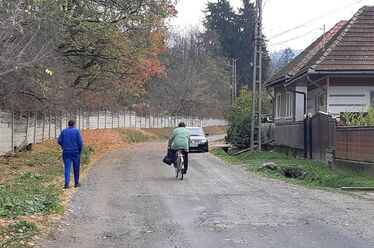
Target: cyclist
[(180, 140)]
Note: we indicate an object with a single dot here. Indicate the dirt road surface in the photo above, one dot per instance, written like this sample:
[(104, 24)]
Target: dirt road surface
[(131, 199)]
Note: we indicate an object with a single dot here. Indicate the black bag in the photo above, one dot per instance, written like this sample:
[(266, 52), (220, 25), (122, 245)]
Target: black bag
[(167, 160)]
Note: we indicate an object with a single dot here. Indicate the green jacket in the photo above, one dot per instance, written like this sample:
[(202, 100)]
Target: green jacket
[(180, 139)]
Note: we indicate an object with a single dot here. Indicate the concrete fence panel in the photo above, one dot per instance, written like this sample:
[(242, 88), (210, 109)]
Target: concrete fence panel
[(34, 127)]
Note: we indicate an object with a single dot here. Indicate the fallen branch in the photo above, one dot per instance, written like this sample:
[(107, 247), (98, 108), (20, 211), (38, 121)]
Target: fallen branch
[(249, 149), (358, 188)]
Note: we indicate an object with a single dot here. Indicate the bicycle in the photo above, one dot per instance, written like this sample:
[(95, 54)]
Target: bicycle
[(180, 164)]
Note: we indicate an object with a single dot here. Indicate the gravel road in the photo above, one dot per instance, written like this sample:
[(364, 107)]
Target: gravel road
[(131, 199)]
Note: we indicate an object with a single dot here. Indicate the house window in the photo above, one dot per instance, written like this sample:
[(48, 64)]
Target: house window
[(289, 105), (284, 105), (278, 103)]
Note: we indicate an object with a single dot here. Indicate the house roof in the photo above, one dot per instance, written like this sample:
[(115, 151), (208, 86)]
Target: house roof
[(354, 48), (348, 46)]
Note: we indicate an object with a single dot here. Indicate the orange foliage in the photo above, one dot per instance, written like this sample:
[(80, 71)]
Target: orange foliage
[(216, 130), (104, 140)]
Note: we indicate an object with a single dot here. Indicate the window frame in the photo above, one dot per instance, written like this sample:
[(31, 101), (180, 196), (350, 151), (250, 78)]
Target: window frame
[(284, 104)]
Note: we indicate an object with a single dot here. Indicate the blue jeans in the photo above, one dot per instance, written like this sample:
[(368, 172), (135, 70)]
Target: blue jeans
[(70, 158)]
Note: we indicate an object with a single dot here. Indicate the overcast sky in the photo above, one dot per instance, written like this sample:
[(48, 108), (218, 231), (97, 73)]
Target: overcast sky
[(280, 16)]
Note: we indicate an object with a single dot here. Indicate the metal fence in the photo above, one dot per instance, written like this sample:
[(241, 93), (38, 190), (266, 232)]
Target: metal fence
[(17, 129), (354, 143), (289, 134)]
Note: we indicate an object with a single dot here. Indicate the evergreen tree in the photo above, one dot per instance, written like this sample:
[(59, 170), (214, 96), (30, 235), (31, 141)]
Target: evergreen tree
[(235, 33), (280, 59), (221, 19)]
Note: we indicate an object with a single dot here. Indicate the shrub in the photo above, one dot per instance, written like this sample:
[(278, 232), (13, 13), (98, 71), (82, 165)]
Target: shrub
[(86, 154), (239, 131), (359, 118)]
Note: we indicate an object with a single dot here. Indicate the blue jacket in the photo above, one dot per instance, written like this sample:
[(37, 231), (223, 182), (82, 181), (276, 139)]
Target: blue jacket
[(71, 140)]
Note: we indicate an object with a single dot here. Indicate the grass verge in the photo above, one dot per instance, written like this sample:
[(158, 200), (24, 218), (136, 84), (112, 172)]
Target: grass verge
[(309, 173), (18, 234), (31, 192)]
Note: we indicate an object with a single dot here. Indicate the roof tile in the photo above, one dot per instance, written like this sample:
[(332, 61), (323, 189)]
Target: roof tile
[(359, 36), (349, 46)]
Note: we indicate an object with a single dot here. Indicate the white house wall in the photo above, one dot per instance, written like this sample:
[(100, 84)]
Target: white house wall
[(299, 111), (349, 99)]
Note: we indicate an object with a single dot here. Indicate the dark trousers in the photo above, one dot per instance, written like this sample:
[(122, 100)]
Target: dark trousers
[(75, 159), (172, 156)]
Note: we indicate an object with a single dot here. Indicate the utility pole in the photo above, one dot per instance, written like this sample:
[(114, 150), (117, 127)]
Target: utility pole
[(257, 76), (233, 80)]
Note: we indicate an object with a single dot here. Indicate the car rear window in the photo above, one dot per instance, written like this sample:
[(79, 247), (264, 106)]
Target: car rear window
[(196, 131)]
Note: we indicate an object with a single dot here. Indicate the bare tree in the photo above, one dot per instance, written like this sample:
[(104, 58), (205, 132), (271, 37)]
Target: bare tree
[(26, 52), (196, 83)]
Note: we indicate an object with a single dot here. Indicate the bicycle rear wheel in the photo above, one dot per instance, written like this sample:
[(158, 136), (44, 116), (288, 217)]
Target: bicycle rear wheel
[(180, 165)]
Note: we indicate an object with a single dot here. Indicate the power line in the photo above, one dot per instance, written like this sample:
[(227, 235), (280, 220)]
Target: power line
[(314, 19), (294, 38)]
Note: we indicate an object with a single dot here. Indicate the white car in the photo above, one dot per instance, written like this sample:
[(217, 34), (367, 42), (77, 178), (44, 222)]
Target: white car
[(199, 142)]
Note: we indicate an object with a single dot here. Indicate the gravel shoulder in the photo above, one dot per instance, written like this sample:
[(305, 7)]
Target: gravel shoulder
[(131, 199)]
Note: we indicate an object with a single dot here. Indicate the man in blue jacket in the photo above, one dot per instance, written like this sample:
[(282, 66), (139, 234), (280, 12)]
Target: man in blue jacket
[(71, 142)]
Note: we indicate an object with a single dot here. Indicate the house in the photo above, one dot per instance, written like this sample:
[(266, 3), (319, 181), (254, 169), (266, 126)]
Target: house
[(334, 74)]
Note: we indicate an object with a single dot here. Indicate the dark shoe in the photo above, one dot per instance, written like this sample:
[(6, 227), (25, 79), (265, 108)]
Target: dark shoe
[(77, 185), (184, 171), (66, 186)]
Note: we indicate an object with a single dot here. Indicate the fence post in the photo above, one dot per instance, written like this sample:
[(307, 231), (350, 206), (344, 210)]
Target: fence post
[(88, 119), (112, 116), (119, 119), (12, 138), (60, 121), (85, 119), (27, 127), (105, 119), (124, 119), (83, 116), (130, 119), (35, 123), (98, 119), (55, 125), (49, 126), (43, 126), (76, 118)]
